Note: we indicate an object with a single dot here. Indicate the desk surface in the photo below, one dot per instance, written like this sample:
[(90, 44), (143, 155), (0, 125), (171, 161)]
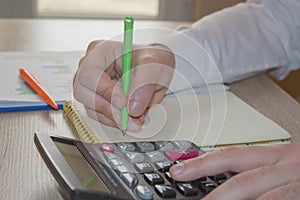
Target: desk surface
[(23, 174)]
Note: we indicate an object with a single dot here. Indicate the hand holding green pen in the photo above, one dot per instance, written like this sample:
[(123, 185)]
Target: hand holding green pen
[(127, 62), (104, 99)]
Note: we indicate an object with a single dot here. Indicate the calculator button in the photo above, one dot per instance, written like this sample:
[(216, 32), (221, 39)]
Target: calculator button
[(174, 155), (187, 189), (165, 191), (163, 166), (121, 169), (201, 179), (221, 182), (108, 156), (218, 177), (143, 167), (144, 192), (153, 178), (176, 162), (114, 163), (145, 146), (155, 156), (181, 144), (206, 186), (134, 157), (126, 146), (163, 145), (107, 147), (129, 179), (169, 178)]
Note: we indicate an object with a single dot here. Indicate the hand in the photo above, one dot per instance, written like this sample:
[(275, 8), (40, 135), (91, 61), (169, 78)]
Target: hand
[(270, 172), (97, 85)]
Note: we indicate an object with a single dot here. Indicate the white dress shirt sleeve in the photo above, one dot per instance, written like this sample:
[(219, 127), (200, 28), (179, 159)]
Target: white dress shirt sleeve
[(236, 43)]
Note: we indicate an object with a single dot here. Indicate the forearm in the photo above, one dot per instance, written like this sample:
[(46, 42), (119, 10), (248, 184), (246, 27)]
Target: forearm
[(242, 41)]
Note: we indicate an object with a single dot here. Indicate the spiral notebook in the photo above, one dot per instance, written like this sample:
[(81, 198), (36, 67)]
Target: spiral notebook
[(209, 120)]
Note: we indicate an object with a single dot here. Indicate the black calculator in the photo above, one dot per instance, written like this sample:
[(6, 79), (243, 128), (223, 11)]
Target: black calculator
[(124, 170)]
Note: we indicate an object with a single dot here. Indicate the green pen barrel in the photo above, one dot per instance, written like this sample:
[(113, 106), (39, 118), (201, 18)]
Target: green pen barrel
[(127, 62), (127, 53)]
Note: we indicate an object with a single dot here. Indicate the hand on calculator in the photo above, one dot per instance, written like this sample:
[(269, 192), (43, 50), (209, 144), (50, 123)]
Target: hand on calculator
[(264, 173)]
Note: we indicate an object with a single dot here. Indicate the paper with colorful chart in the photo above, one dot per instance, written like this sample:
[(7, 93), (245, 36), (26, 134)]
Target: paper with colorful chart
[(54, 71)]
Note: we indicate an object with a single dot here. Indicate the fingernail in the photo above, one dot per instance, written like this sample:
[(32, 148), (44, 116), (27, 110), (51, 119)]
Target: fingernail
[(177, 169), (136, 108), (117, 102)]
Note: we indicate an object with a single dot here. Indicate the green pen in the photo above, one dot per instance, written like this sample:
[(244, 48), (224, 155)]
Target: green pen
[(126, 68)]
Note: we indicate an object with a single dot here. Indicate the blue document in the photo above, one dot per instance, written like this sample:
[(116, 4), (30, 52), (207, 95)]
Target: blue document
[(15, 106)]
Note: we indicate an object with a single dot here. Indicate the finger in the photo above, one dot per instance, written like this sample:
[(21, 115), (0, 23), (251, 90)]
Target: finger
[(146, 80), (90, 47), (81, 60), (257, 181), (93, 45), (100, 117), (158, 96), (100, 83), (287, 192), (103, 111), (156, 99), (75, 78), (133, 125), (142, 118), (140, 100), (92, 73), (94, 101), (235, 159)]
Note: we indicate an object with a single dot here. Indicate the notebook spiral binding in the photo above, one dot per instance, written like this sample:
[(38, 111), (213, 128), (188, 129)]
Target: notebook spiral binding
[(84, 131)]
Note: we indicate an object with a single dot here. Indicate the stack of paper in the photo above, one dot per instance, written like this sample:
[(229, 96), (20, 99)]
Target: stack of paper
[(54, 71)]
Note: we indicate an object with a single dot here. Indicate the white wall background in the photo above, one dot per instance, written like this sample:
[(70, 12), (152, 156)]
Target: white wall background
[(169, 9)]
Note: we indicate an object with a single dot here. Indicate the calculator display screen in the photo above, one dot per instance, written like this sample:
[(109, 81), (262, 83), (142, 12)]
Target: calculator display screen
[(81, 168)]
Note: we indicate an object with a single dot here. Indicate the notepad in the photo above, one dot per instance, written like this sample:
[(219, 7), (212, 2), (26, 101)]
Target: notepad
[(209, 120)]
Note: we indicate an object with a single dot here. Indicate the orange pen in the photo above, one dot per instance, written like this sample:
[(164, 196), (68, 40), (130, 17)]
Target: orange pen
[(34, 84)]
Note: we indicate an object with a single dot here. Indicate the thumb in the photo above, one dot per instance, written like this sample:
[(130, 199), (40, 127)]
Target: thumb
[(141, 92), (140, 100), (142, 89)]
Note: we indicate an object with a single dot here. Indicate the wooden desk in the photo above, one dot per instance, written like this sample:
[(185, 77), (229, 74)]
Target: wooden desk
[(23, 174)]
